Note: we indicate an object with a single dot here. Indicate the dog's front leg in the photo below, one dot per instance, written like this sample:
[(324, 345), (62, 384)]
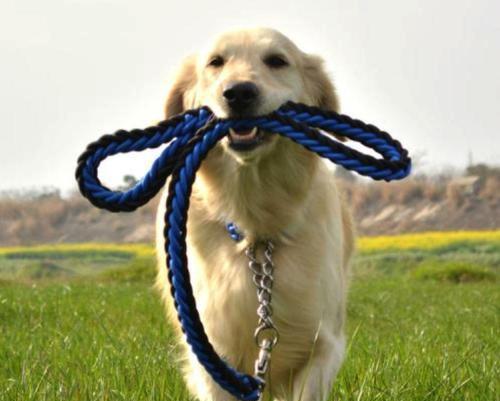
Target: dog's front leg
[(313, 382)]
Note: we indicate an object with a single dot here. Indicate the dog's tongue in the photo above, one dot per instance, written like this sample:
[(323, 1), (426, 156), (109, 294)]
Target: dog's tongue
[(244, 134)]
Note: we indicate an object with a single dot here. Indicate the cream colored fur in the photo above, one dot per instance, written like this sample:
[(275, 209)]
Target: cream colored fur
[(278, 191)]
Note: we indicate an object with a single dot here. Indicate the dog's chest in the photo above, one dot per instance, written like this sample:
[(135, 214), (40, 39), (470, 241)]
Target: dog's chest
[(227, 301)]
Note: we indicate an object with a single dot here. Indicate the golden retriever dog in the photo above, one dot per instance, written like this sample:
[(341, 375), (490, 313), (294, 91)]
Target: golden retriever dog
[(271, 188)]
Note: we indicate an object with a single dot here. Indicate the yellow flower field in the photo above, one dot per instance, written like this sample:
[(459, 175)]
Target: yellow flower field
[(426, 241), (423, 241), (136, 249)]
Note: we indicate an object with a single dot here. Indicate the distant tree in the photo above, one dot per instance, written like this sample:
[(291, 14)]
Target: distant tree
[(31, 193), (129, 181), (483, 170)]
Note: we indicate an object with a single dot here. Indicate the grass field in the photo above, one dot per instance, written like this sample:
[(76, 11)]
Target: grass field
[(81, 322)]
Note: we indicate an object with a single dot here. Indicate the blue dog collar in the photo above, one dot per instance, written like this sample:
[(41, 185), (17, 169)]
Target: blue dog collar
[(234, 232)]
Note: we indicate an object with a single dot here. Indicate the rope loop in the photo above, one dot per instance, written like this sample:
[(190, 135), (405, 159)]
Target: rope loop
[(189, 137)]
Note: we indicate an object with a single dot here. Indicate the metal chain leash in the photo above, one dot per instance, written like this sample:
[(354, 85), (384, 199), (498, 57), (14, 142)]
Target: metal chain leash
[(266, 334)]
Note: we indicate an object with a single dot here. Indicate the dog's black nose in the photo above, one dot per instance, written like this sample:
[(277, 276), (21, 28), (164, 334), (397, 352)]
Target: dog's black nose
[(241, 96)]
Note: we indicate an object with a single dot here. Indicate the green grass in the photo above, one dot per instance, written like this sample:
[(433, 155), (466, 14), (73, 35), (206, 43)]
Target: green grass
[(102, 335), (85, 342), (421, 341)]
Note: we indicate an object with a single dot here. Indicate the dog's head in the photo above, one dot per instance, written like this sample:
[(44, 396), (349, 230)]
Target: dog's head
[(248, 73)]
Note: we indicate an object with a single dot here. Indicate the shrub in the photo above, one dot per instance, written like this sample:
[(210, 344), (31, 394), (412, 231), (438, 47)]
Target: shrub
[(490, 190), (43, 270), (454, 195), (141, 268), (452, 271)]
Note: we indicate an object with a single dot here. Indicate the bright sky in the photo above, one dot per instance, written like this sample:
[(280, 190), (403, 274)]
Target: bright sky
[(426, 71)]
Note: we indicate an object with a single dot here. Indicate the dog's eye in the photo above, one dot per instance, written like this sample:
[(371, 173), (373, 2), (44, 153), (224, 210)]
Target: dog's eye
[(216, 61), (275, 61)]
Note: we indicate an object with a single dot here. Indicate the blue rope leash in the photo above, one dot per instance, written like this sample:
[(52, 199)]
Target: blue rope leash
[(190, 136)]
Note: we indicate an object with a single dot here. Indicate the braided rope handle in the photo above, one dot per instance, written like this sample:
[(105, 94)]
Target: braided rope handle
[(190, 136), (176, 132), (395, 163)]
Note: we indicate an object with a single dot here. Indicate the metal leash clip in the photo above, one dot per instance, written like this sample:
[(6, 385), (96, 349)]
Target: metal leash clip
[(266, 334)]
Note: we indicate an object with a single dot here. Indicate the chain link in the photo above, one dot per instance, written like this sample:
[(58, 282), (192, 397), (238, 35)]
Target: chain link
[(266, 334)]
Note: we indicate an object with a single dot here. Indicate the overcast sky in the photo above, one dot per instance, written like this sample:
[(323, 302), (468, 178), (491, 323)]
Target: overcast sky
[(71, 70)]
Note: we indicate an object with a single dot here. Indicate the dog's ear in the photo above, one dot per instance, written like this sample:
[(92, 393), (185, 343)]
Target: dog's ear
[(181, 93), (319, 86)]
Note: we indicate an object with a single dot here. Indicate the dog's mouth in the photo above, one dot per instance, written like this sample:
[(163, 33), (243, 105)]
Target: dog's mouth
[(244, 140)]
